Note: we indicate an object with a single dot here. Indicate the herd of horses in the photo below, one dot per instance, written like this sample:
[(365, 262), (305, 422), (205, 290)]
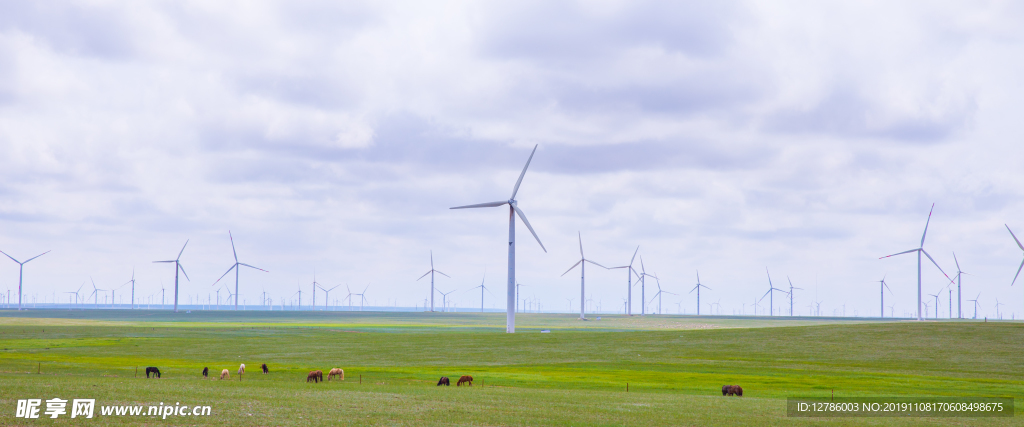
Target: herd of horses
[(317, 376)]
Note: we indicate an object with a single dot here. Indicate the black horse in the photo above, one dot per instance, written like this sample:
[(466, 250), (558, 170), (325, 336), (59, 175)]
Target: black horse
[(265, 370), (443, 381), (206, 372), (152, 370)]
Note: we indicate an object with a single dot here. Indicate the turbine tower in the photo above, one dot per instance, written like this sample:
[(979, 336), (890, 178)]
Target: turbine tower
[(21, 272), (582, 263), (431, 273), (177, 267), (510, 316), (920, 250), (629, 282), (237, 266), (697, 288)]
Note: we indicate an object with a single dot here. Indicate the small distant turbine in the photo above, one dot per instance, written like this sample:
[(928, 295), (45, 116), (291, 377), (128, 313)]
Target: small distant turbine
[(327, 295), (582, 263), (881, 290), (791, 288), (643, 283), (133, 288), (237, 266), (936, 295), (975, 301), (177, 267), (660, 291), (770, 294), (629, 282), (431, 273), (362, 297), (482, 289), (510, 313), (21, 272), (697, 288)]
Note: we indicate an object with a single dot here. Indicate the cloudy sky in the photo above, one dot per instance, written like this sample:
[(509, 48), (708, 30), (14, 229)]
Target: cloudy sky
[(810, 138)]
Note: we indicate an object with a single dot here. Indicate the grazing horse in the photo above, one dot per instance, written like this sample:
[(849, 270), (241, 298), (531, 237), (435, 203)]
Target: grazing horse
[(265, 370), (732, 390), (466, 379), (241, 369), (152, 370), (225, 374), (336, 372), (315, 376), (443, 381), (206, 372)]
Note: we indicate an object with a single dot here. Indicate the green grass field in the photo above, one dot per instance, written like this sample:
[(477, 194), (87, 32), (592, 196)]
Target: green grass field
[(575, 375)]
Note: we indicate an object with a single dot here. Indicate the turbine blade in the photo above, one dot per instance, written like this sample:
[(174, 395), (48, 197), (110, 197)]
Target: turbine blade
[(936, 264), (225, 274), (570, 268), (424, 274), (957, 264), (183, 272), (901, 253), (1007, 229), (634, 255), (523, 173), (522, 216), (926, 224), (250, 266), (37, 256), (599, 265), (580, 236), (1018, 273), (12, 258), (445, 275), (765, 294), (431, 259), (482, 205), (182, 250), (233, 251), (163, 261)]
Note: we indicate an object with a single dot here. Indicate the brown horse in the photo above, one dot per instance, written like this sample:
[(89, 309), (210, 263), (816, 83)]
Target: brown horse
[(315, 376), (336, 372), (732, 390), (225, 374), (465, 379), (443, 381), (265, 370), (152, 370)]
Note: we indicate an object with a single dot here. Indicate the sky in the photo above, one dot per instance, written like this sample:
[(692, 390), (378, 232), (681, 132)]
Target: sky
[(331, 138)]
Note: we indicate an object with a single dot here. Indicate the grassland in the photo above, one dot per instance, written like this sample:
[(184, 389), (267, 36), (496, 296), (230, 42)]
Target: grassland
[(575, 375)]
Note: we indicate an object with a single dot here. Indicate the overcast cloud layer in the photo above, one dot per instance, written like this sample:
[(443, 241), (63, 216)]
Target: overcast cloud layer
[(808, 138)]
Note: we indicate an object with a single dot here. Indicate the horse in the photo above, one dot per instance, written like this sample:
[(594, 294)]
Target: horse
[(206, 372), (443, 381), (265, 370), (241, 369), (732, 390), (225, 374), (336, 371), (152, 370), (466, 379), (315, 376)]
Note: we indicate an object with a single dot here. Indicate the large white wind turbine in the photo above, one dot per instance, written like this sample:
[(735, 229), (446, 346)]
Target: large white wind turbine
[(697, 288), (582, 263), (920, 250), (21, 272), (177, 267), (510, 316), (770, 294), (237, 266), (629, 282), (431, 273)]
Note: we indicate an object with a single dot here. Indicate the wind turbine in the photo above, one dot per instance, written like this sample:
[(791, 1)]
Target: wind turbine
[(177, 266), (882, 286), (629, 282), (791, 288), (327, 295), (431, 273), (697, 288), (95, 294), (998, 316), (133, 288), (362, 297), (510, 316), (348, 297), (770, 294), (975, 301), (958, 278), (444, 300), (920, 250), (582, 263), (112, 293), (643, 284), (237, 266), (21, 272), (1007, 229), (936, 295), (482, 289), (660, 291), (519, 288), (76, 292)]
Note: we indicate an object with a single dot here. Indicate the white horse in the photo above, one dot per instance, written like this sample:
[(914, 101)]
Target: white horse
[(241, 369)]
